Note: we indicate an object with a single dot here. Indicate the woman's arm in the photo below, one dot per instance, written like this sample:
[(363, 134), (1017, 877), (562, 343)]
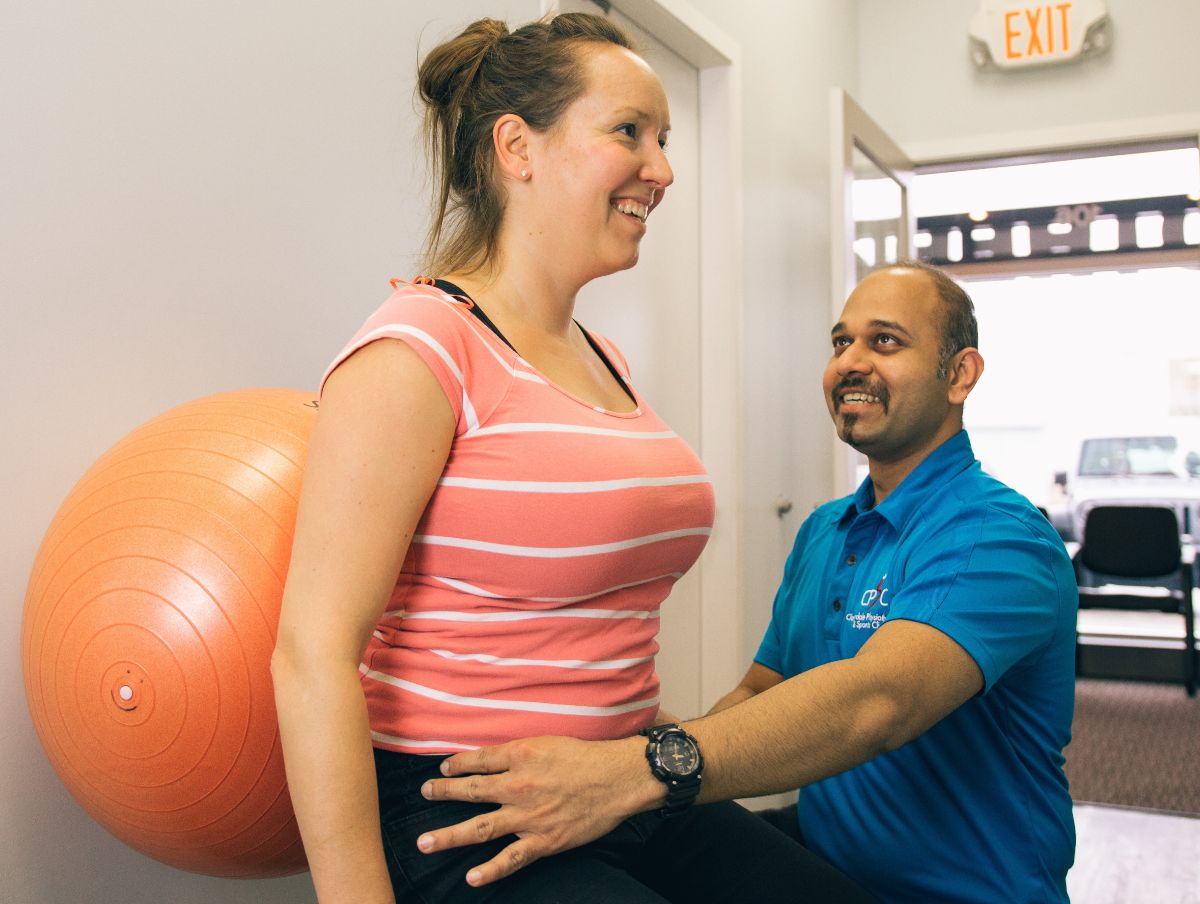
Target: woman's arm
[(378, 448)]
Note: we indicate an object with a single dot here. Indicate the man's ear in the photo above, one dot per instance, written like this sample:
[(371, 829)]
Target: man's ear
[(510, 138), (966, 367)]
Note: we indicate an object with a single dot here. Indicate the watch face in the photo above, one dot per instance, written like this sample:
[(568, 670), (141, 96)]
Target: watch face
[(678, 755)]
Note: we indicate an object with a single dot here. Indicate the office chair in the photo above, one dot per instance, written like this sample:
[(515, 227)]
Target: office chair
[(1142, 543)]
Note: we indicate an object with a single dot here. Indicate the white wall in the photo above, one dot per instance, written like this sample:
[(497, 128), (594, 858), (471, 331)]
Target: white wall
[(916, 79), (196, 196)]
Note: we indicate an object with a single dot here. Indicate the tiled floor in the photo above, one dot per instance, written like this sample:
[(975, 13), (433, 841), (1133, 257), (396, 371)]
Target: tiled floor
[(1134, 857)]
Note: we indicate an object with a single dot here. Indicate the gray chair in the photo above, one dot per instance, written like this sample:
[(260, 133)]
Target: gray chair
[(1139, 548)]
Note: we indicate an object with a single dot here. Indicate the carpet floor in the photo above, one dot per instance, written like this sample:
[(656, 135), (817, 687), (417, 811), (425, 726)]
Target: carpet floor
[(1135, 744)]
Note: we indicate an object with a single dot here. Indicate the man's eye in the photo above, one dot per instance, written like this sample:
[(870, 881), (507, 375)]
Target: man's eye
[(885, 339), (840, 342)]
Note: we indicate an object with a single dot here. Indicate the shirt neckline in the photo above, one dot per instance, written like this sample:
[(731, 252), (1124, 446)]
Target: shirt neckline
[(455, 292)]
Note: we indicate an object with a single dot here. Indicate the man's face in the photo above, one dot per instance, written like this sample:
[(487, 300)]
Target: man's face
[(881, 383)]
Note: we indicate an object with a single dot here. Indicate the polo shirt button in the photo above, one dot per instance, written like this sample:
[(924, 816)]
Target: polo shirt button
[(837, 605), (851, 559)]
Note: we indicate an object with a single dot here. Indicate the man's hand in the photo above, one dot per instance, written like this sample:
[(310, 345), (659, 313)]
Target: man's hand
[(555, 794)]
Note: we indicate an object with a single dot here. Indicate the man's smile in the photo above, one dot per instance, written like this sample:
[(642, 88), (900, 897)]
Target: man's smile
[(857, 396)]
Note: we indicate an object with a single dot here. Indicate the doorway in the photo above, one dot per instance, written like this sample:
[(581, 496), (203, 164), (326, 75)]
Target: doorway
[(676, 318)]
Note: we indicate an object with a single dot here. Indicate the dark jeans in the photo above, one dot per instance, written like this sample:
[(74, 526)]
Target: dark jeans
[(712, 853), (784, 819)]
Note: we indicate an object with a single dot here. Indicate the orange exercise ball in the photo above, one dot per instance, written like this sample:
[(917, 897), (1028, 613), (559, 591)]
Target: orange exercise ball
[(148, 629)]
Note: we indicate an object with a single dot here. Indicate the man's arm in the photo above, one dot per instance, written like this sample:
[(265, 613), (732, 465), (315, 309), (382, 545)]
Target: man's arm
[(765, 736), (758, 679), (827, 720)]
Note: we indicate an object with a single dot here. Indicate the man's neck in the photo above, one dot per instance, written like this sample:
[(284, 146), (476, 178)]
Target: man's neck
[(887, 475)]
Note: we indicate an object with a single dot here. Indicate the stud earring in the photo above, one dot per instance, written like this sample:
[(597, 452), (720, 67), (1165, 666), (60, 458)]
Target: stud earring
[(524, 174)]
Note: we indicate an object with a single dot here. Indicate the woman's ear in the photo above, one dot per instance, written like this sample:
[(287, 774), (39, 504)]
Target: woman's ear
[(510, 137)]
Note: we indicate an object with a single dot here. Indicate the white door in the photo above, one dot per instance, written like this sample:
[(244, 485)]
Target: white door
[(872, 224), (653, 314)]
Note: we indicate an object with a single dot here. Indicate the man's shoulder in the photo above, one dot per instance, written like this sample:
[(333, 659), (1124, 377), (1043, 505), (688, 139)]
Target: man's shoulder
[(977, 506)]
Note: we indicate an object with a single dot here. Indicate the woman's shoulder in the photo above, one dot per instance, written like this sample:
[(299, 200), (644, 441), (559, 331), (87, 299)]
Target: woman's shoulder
[(418, 303), (439, 327)]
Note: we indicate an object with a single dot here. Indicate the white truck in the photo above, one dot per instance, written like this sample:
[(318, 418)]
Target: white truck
[(1151, 468)]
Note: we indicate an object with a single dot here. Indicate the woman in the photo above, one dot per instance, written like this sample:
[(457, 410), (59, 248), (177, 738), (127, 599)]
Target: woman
[(491, 515)]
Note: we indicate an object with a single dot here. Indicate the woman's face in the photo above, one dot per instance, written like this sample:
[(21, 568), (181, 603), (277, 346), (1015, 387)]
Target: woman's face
[(601, 170)]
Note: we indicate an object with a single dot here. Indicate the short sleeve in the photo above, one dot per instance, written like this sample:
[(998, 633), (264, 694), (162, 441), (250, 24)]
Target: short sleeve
[(771, 652), (993, 586), (446, 337)]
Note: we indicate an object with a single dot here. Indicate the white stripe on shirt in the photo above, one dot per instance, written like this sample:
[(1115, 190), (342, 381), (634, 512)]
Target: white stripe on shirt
[(566, 486), (560, 709), (452, 615), (411, 742), (472, 590), (567, 428), (488, 659), (559, 552)]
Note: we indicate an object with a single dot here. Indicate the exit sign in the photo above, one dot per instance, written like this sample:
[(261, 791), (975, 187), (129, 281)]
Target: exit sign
[(1011, 34)]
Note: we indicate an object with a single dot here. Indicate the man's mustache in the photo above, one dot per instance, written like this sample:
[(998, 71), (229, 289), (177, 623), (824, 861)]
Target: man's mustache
[(876, 389)]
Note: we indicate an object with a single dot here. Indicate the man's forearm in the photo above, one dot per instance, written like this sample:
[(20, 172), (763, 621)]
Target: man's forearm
[(831, 718), (739, 694), (800, 731)]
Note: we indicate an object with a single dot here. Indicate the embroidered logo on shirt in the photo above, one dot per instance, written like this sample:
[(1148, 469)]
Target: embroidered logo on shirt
[(872, 608)]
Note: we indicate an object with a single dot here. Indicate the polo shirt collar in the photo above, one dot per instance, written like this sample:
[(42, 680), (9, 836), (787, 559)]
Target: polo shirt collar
[(947, 460)]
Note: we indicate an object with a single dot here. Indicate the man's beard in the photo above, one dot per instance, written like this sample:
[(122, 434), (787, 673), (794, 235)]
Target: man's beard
[(846, 430), (847, 422)]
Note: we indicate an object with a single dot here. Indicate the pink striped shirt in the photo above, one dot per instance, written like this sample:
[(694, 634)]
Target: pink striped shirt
[(528, 603)]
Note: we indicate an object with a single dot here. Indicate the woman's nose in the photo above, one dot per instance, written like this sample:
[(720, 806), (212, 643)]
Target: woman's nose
[(658, 172)]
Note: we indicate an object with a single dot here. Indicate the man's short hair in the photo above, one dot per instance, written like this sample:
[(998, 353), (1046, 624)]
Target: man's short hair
[(959, 328)]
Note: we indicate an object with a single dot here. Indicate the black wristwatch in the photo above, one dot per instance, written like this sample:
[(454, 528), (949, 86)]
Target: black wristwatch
[(676, 761)]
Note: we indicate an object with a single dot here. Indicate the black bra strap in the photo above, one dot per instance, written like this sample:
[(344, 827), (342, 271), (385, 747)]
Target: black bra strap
[(451, 289), (603, 357)]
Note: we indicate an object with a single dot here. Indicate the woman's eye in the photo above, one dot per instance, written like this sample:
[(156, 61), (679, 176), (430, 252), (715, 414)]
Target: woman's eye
[(628, 128)]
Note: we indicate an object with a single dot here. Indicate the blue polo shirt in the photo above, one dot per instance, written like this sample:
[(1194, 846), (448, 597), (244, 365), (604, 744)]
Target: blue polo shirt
[(977, 808)]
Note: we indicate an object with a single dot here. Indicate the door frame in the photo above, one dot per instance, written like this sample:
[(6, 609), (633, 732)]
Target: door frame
[(717, 58), (1089, 136), (851, 127), (1146, 130)]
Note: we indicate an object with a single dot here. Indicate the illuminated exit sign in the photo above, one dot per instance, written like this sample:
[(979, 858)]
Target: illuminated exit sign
[(1009, 34)]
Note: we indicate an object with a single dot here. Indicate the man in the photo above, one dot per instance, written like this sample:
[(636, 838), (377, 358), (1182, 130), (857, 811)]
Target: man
[(916, 681)]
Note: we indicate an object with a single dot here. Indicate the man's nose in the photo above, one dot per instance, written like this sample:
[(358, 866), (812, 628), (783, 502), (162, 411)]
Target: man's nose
[(854, 359)]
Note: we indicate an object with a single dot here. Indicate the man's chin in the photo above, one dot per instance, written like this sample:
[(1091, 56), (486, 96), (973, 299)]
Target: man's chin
[(856, 440), (845, 428)]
